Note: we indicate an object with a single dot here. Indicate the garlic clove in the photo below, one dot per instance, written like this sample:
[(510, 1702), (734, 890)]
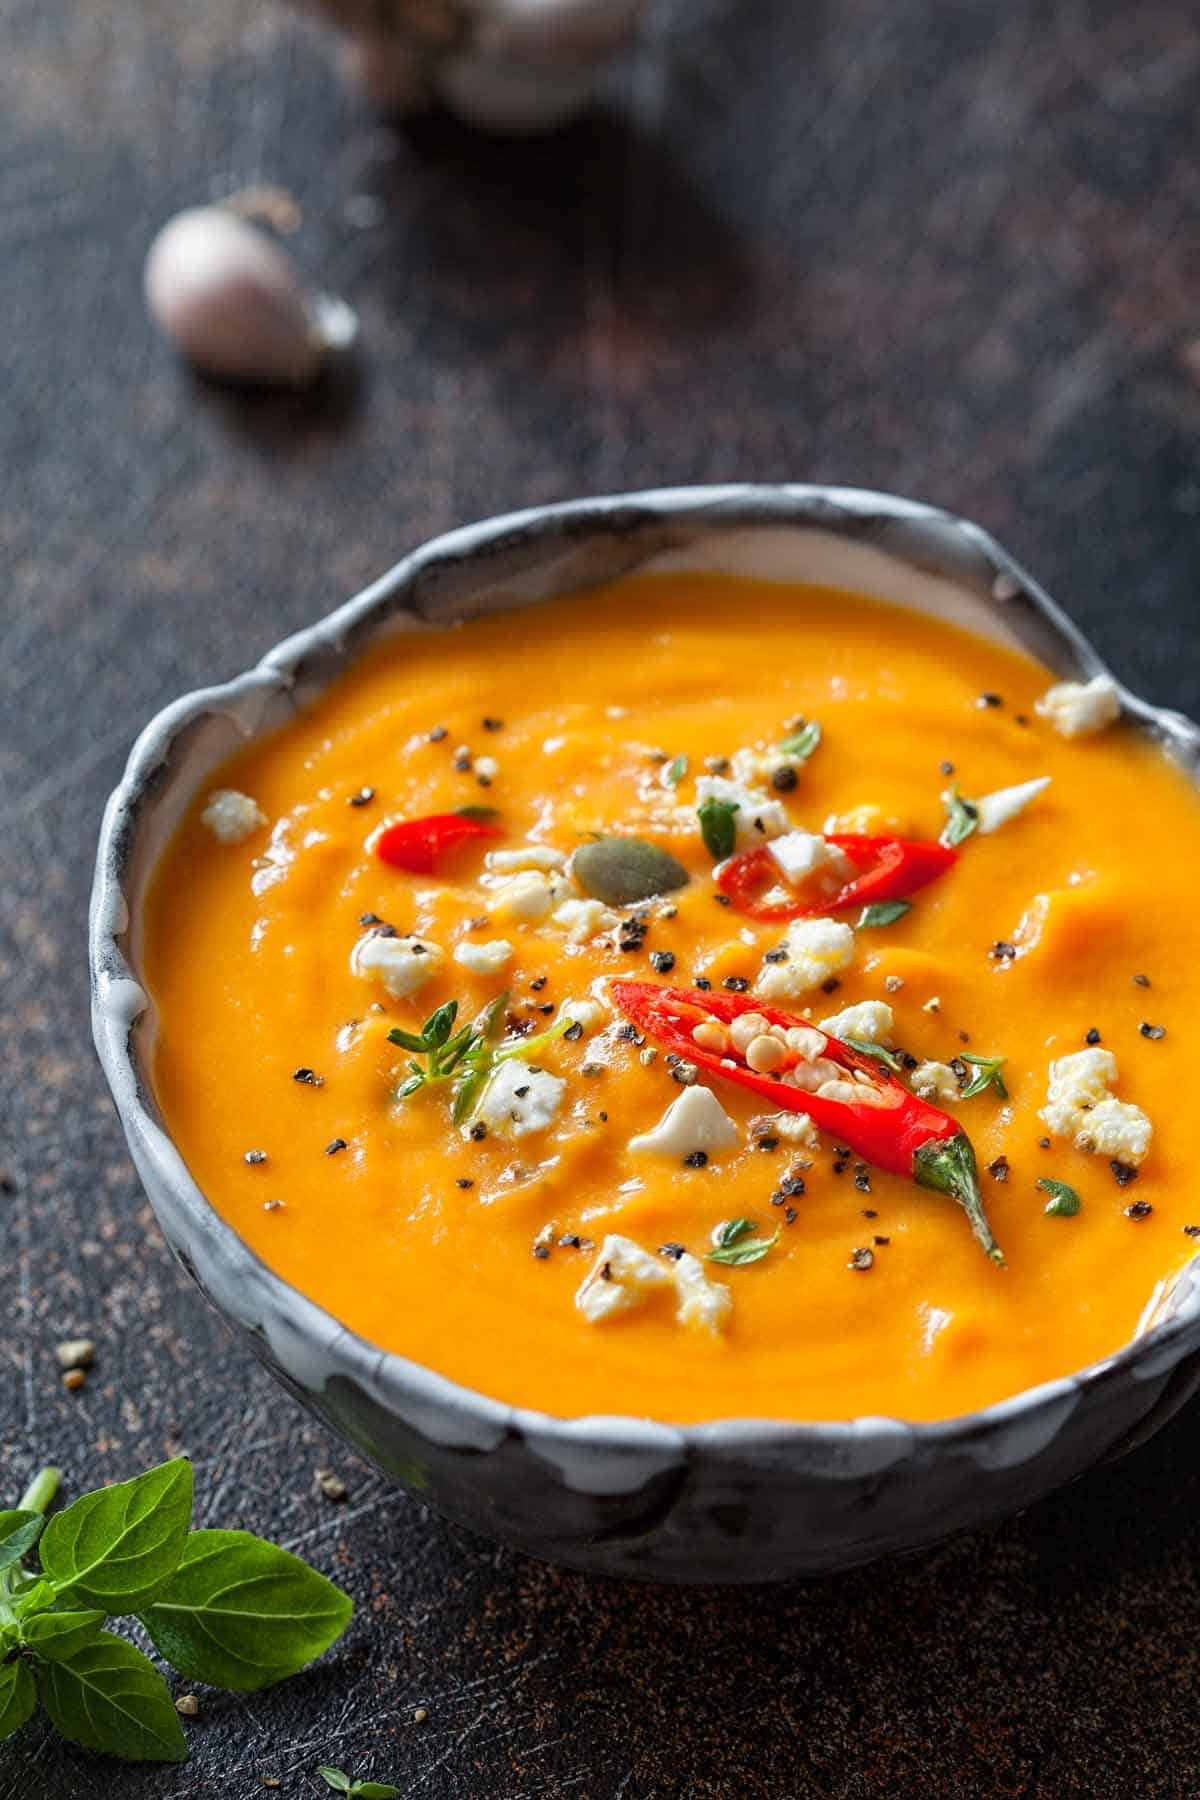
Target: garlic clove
[(510, 98), (232, 302)]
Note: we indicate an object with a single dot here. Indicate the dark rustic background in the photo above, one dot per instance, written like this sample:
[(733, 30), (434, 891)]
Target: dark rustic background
[(945, 249)]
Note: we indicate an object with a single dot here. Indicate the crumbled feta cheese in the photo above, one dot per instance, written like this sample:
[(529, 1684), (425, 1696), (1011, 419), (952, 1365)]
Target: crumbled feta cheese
[(588, 1013), (792, 1127), (524, 899), (620, 1278), (527, 856), (758, 816), (402, 964), (518, 1100), (624, 1275), (816, 949), (860, 821), (583, 920), (800, 854), (1080, 1106), (702, 1303), (487, 768), (751, 766), (232, 817), (997, 809), (696, 1121), (871, 1019), (1076, 708), (484, 959), (1116, 1129), (935, 1081)]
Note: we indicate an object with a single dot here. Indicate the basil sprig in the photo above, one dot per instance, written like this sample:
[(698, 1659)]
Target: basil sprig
[(222, 1606), (733, 1243), (718, 827), (341, 1783), (988, 1075), (1064, 1202)]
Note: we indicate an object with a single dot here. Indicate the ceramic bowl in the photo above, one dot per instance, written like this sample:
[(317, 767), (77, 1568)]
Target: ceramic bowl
[(742, 1499)]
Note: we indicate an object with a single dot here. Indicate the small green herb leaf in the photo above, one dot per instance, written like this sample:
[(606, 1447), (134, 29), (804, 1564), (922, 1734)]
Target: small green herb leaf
[(375, 1790), (743, 1249), (883, 912), (39, 1596), (57, 1636), (962, 817), (241, 1613), (989, 1075), (1064, 1202), (730, 1231), (718, 827), (675, 771), (18, 1533), (18, 1697), (482, 815), (117, 1547), (865, 1047), (803, 742), (109, 1697), (337, 1779), (439, 1025)]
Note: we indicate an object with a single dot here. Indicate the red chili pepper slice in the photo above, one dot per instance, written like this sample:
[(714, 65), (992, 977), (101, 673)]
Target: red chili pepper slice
[(419, 845), (904, 1134), (888, 869)]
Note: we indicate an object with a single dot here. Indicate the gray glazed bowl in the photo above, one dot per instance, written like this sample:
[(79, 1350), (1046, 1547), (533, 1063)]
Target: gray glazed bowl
[(743, 1499)]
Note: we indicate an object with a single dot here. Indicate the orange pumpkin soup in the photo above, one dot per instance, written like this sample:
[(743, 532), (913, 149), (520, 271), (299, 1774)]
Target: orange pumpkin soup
[(538, 1192)]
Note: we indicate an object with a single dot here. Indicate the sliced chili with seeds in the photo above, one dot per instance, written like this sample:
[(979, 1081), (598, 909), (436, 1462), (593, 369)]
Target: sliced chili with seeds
[(887, 868)]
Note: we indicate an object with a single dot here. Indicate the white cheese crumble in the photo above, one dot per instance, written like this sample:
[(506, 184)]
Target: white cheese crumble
[(1075, 709), (871, 1019), (800, 854), (758, 816), (487, 768), (1080, 1106), (583, 920), (935, 1081), (624, 1275), (816, 949), (484, 959), (524, 899), (696, 1121), (998, 808), (792, 1127), (232, 817), (588, 1013), (527, 856), (402, 964), (517, 1100)]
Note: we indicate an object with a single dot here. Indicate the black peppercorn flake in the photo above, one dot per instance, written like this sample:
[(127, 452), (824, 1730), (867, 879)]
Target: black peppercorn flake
[(964, 1037), (947, 768), (702, 983), (862, 1181), (369, 919), (569, 1240), (307, 1078), (735, 984), (1152, 1031), (880, 1240), (696, 1159), (990, 700), (777, 1198), (831, 986), (869, 1212), (1123, 1174), (478, 1131), (336, 1144), (437, 734), (521, 1092), (778, 955), (662, 961), (1192, 1231), (541, 1251), (722, 900), (363, 797), (717, 765), (790, 1215), (1001, 951), (1043, 1143), (784, 778), (1020, 719), (591, 1068), (1138, 1209), (768, 1143), (606, 1272), (998, 1170), (254, 1157), (672, 1250), (462, 762), (861, 1259), (1141, 980), (492, 724)]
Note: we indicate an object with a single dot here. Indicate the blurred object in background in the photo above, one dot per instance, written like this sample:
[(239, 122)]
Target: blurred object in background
[(514, 67)]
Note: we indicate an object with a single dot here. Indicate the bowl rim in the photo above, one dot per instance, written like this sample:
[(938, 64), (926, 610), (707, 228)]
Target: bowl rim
[(118, 998)]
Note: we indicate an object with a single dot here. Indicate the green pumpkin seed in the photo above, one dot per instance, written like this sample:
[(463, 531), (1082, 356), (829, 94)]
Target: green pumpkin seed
[(622, 870)]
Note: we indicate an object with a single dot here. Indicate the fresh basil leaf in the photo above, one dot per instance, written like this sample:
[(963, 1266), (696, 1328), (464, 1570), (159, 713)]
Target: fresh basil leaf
[(803, 742), (675, 771), (746, 1250), (117, 1547), (482, 815), (18, 1533), (58, 1635), (407, 1040), (111, 1698), (865, 1047), (718, 827), (39, 1596), (1064, 1202), (439, 1025), (730, 1231), (240, 1613), (375, 1790), (989, 1075), (337, 1779), (18, 1697), (883, 912), (962, 818)]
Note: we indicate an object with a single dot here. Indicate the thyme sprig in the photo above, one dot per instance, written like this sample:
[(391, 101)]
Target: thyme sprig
[(987, 1075), (467, 1056)]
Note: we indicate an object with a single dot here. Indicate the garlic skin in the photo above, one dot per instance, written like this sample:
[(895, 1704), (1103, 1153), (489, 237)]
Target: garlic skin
[(232, 302)]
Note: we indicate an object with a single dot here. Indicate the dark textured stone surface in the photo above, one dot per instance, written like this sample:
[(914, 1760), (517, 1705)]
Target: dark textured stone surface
[(942, 250)]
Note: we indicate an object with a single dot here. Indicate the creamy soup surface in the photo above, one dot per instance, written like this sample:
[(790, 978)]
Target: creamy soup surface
[(609, 1226)]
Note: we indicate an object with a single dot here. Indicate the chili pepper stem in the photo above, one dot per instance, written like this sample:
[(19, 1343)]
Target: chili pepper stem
[(948, 1165)]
